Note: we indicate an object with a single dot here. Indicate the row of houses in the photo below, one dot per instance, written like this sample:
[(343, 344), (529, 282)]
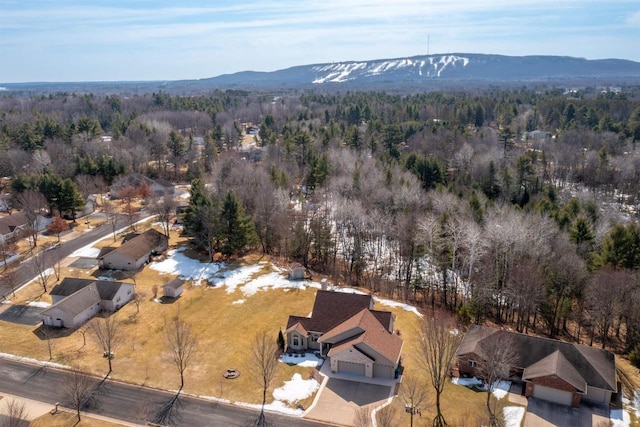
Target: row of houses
[(358, 340)]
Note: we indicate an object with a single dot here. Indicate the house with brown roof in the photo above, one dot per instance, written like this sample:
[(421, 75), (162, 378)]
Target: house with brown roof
[(159, 187), (134, 252), (552, 370), (347, 330), (77, 300), (12, 225)]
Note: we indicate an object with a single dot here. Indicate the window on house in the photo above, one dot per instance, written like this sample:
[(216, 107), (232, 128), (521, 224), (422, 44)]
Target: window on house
[(473, 363), (314, 338), (296, 341), (118, 299)]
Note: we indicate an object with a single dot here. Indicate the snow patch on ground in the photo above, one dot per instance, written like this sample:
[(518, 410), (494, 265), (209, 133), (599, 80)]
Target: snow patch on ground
[(390, 303), (40, 304), (501, 389), (186, 268), (513, 415), (306, 360), (275, 280), (30, 360), (87, 252), (468, 382), (238, 301), (276, 406), (233, 278), (636, 402), (620, 418), (296, 389)]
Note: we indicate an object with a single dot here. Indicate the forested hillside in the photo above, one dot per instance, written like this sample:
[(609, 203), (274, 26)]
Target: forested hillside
[(514, 206)]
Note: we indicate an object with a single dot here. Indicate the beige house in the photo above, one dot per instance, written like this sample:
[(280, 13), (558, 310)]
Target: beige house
[(134, 252), (345, 328), (77, 300), (552, 370), (159, 187), (12, 225)]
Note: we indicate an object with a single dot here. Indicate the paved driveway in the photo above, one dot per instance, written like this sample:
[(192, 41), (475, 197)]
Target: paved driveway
[(340, 400), (541, 413)]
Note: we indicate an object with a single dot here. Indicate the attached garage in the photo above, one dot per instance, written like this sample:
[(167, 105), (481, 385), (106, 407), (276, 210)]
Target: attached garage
[(552, 394), (351, 368), (597, 395), (383, 371)]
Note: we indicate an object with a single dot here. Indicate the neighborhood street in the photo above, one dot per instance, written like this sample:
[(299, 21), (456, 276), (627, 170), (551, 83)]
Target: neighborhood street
[(133, 404), (26, 270)]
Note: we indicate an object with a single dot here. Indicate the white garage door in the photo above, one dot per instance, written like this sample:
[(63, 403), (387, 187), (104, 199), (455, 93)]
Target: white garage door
[(382, 371), (350, 368), (552, 395), (597, 395)]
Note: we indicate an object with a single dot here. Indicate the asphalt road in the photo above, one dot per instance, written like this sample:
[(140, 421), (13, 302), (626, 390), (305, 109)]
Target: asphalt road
[(133, 404), (26, 270)]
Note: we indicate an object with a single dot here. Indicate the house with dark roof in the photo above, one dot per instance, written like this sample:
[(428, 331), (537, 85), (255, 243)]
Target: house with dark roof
[(77, 300), (12, 225), (552, 370), (134, 252), (347, 330), (174, 288)]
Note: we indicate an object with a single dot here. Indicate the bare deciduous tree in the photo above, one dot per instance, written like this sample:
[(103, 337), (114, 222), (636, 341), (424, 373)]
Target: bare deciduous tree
[(182, 343), (437, 347), (413, 394), (10, 279), (111, 212), (78, 388), (32, 203), (265, 361), (387, 416), (164, 208), (498, 356), (107, 333), (40, 261), (363, 417), (15, 414)]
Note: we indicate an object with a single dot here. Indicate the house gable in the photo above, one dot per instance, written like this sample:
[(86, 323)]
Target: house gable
[(546, 361)]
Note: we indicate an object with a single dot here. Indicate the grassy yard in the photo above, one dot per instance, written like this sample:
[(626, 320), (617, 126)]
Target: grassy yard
[(225, 332), (68, 419)]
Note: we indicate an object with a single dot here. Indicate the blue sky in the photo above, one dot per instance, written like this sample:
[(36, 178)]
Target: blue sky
[(98, 40)]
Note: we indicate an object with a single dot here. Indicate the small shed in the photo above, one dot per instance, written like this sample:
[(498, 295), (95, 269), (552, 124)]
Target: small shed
[(173, 289), (297, 272)]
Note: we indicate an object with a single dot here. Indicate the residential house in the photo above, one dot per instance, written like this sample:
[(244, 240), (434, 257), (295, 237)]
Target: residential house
[(77, 300), (158, 186), (345, 328), (12, 225), (552, 370), (173, 289), (134, 252)]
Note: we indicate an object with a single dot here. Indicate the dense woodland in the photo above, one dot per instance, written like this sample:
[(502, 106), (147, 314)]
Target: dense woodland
[(449, 200)]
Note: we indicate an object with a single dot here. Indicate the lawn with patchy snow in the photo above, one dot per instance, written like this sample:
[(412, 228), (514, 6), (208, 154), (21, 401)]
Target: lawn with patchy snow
[(513, 416), (620, 418), (305, 360), (186, 268)]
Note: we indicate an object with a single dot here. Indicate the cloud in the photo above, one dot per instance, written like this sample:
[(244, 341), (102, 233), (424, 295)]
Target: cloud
[(634, 19)]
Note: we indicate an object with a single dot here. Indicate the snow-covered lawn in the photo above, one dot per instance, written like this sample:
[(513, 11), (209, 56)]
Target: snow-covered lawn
[(391, 303), (304, 360), (296, 389), (292, 391), (513, 415), (186, 268), (40, 304), (30, 360), (87, 252), (636, 402), (500, 388)]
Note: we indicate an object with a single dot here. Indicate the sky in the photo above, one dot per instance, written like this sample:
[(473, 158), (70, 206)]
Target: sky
[(116, 40)]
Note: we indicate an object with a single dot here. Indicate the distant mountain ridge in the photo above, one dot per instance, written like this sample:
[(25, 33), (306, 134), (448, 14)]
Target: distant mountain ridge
[(446, 67), (424, 71)]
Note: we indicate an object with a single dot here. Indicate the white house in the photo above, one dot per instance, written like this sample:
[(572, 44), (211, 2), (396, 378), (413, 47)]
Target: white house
[(77, 300)]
